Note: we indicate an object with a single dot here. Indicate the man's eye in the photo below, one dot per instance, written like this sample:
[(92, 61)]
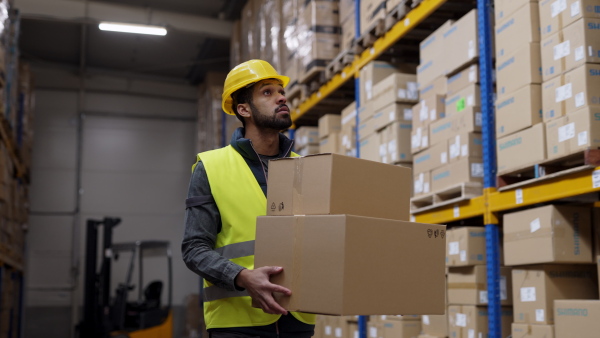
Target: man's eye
[(267, 92)]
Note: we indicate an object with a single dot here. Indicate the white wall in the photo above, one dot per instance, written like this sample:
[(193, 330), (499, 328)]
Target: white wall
[(136, 162)]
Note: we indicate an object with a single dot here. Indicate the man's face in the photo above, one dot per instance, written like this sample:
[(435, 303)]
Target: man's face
[(269, 108)]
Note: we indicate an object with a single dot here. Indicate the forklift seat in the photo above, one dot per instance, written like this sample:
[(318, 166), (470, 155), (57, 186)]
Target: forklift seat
[(152, 295)]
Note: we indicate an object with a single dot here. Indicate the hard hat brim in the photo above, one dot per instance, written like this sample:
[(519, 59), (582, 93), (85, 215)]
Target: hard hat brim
[(228, 100)]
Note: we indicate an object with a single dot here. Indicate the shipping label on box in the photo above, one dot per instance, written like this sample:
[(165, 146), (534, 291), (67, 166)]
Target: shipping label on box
[(521, 68), (429, 109), (468, 169), (582, 37), (468, 285), (370, 147), (584, 82), (532, 330), (434, 157), (577, 318), (550, 18), (469, 96), (419, 139), (472, 321), (521, 149), (573, 133), (422, 184), (462, 79), (460, 42), (395, 112), (554, 53), (518, 30), (577, 9), (336, 262), (535, 288), (396, 138), (465, 145), (465, 246), (329, 123), (398, 87), (518, 110), (559, 234), (468, 120)]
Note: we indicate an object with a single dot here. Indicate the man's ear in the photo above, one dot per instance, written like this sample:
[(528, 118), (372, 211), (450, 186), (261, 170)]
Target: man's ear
[(244, 109)]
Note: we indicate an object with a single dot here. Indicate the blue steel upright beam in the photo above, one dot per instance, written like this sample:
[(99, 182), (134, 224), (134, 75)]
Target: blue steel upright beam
[(484, 12)]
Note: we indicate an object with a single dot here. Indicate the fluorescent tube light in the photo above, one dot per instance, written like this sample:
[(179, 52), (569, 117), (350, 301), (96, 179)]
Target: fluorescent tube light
[(132, 28)]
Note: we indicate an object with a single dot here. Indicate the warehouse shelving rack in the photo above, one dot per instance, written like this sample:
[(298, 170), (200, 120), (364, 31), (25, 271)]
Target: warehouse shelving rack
[(492, 201)]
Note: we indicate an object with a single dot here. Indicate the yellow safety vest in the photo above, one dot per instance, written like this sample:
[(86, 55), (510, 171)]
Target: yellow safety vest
[(240, 200)]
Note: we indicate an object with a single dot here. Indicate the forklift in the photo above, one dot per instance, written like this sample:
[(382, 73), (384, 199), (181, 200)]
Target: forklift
[(117, 316)]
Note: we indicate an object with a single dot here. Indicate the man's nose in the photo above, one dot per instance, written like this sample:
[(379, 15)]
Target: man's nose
[(281, 99)]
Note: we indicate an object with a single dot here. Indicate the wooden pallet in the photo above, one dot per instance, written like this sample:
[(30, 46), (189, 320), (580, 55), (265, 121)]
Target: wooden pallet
[(584, 160), (397, 13), (459, 192), (371, 35), (336, 65), (314, 73)]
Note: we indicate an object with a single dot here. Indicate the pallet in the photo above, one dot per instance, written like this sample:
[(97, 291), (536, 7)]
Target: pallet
[(296, 95), (336, 65), (371, 35), (396, 14), (454, 194), (311, 74), (581, 161)]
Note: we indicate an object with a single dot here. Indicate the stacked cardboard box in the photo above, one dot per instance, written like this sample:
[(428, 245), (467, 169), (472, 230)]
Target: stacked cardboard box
[(347, 23), (394, 326), (371, 12), (306, 140), (550, 250), (348, 133), (315, 224), (336, 326), (289, 43), (518, 105), (330, 127)]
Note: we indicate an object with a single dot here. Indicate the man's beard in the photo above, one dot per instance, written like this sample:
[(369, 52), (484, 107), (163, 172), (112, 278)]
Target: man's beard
[(273, 121)]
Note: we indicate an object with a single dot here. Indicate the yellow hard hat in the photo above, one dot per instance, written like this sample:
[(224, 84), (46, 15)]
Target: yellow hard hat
[(245, 74)]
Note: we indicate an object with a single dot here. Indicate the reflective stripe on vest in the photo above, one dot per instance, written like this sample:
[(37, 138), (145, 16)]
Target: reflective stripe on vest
[(240, 200)]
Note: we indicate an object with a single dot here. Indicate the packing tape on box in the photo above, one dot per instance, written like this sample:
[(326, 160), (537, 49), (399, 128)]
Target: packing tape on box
[(527, 234), (471, 286)]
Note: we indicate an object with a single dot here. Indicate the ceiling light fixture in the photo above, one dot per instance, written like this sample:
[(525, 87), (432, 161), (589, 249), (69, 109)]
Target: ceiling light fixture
[(132, 28)]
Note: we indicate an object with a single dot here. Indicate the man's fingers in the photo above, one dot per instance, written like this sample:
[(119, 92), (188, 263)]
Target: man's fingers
[(273, 270), (280, 289)]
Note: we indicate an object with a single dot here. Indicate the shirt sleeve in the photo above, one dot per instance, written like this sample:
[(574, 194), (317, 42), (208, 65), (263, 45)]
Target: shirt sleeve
[(202, 224)]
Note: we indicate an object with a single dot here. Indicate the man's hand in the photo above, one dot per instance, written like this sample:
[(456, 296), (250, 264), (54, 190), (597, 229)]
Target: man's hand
[(257, 283)]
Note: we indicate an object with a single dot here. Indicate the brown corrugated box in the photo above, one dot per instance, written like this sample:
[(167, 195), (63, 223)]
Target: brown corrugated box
[(435, 325), (460, 43), (462, 79), (309, 150), (550, 18), (396, 88), (504, 8), (577, 318), (467, 97), (518, 69), (551, 107), (394, 112), (374, 72), (532, 331), (396, 138), (429, 109), (468, 120), (348, 33), (366, 128), (536, 287), (419, 139), (558, 15), (521, 149), (370, 12), (338, 254), (584, 43), (432, 63), (553, 55), (432, 158), (330, 143), (422, 183), (559, 234), (518, 30), (439, 86), (306, 136), (467, 169), (465, 246), (370, 147), (472, 321), (468, 285), (518, 110), (573, 133), (329, 123), (465, 145), (394, 328)]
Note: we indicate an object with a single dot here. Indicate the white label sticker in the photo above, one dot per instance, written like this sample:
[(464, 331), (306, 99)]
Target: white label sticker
[(407, 114), (415, 141), (454, 151), (477, 169), (373, 332), (463, 255), (470, 101), (535, 225), (413, 218), (472, 75), (582, 139), (356, 335), (575, 9), (579, 53), (579, 99), (483, 298), (519, 196), (456, 212), (369, 89), (418, 187), (392, 116), (425, 141), (478, 119), (328, 330), (382, 150), (338, 332), (444, 157), (590, 51), (433, 115), (461, 320), (471, 51), (426, 187), (528, 294), (402, 94), (562, 49), (566, 132), (558, 6), (425, 319), (539, 315), (464, 150), (453, 248), (596, 179), (471, 333), (503, 293), (563, 93), (423, 113)]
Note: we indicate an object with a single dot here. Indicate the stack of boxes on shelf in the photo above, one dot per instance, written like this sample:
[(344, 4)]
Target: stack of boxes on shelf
[(446, 139), (330, 126), (306, 140), (550, 251), (394, 326), (336, 326), (347, 24)]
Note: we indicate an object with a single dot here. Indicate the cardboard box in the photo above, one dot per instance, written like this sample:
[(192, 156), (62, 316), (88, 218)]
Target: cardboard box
[(396, 328), (532, 331), (432, 63), (396, 88), (375, 71), (465, 145), (336, 262), (573, 133), (366, 128), (518, 110), (429, 109), (439, 86), (468, 120), (432, 158), (468, 286), (504, 8), (550, 18), (422, 184), (419, 139), (465, 246), (394, 112), (317, 50), (305, 136), (365, 111), (583, 42), (548, 234), (553, 98), (577, 9), (577, 318), (330, 144), (521, 149), (370, 147), (467, 169), (371, 11), (518, 30), (536, 287), (329, 184), (521, 68), (554, 51), (329, 123), (469, 96), (348, 33), (309, 150), (460, 42), (395, 318), (462, 79), (435, 325), (585, 81), (472, 321), (396, 138)]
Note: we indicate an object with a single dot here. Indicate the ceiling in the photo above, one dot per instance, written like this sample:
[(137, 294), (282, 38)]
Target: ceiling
[(64, 33)]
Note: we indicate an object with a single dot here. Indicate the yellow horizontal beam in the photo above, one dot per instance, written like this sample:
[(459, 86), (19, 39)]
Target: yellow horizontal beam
[(455, 212), (571, 185)]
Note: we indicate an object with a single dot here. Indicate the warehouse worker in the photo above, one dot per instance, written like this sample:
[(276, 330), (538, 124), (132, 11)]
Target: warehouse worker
[(226, 193)]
